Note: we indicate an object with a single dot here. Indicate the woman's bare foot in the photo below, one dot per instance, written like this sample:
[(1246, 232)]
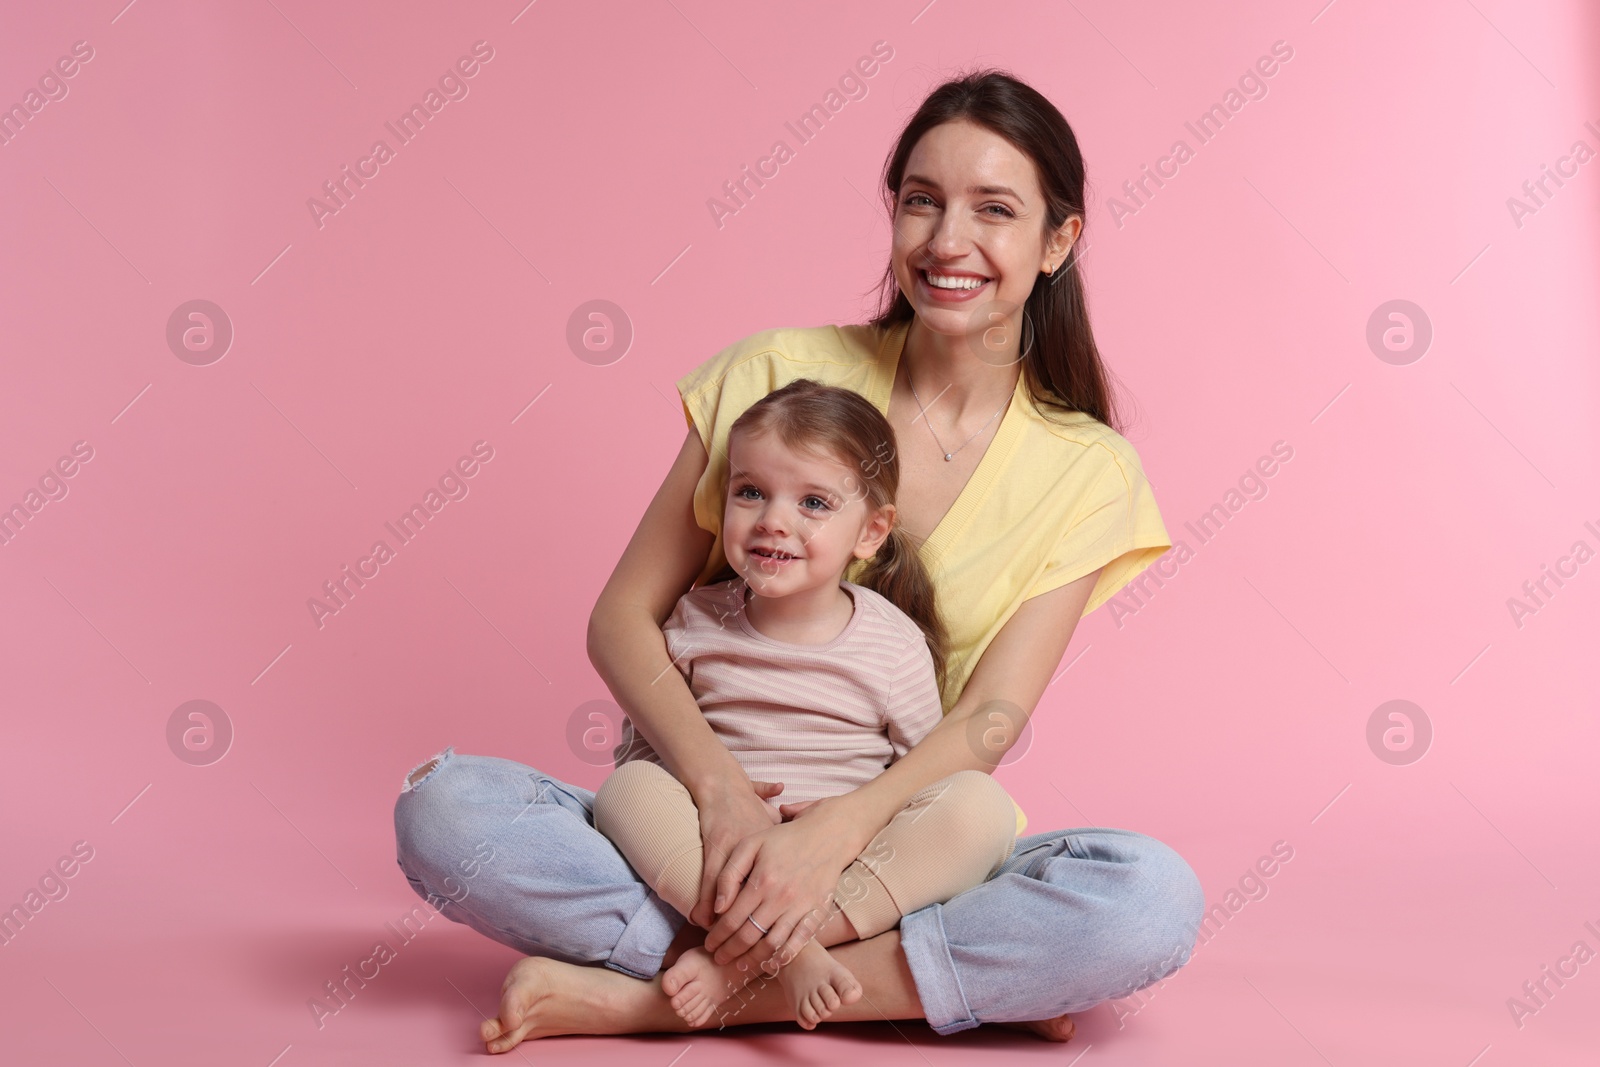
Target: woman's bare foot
[(1058, 1029), (816, 984), (544, 997), (697, 984)]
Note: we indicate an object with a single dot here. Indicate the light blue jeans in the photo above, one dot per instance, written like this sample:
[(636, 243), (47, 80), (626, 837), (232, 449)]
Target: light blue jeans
[(1074, 918)]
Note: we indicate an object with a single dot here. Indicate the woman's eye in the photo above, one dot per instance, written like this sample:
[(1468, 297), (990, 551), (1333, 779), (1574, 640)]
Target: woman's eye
[(1003, 208), (914, 197)]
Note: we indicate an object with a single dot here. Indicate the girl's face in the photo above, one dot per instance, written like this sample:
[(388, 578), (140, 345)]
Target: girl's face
[(794, 521), (970, 212)]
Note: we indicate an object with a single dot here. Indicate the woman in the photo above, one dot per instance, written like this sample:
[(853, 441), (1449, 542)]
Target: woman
[(1031, 511)]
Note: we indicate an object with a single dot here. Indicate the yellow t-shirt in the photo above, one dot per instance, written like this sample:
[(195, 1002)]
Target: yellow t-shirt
[(1054, 497)]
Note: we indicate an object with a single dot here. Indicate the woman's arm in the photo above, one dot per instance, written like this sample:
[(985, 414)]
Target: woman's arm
[(627, 648), (1011, 675), (1014, 670)]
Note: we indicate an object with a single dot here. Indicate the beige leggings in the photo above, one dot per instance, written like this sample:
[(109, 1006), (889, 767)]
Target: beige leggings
[(950, 837)]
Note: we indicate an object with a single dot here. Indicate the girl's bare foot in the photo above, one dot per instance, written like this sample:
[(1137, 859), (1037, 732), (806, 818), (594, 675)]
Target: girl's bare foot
[(544, 997), (817, 984), (688, 936), (697, 984)]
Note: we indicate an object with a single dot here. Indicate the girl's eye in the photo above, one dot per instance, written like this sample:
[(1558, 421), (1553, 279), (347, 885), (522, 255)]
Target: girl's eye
[(743, 489), (820, 505)]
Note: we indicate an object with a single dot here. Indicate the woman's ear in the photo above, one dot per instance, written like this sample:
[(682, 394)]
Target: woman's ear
[(1060, 242)]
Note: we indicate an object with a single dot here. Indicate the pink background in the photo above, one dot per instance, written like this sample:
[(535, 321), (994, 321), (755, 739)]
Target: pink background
[(431, 312)]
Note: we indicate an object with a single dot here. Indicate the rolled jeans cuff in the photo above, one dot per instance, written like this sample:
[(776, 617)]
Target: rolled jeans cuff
[(944, 1003), (637, 953)]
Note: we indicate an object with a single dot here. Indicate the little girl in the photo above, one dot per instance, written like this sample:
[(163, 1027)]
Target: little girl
[(814, 682)]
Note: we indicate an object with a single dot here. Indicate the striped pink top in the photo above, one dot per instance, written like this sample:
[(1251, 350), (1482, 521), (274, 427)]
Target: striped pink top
[(821, 719)]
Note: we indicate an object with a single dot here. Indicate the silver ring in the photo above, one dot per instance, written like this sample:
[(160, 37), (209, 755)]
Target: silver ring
[(752, 920)]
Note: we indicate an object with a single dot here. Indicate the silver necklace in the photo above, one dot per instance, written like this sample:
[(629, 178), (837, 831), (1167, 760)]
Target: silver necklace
[(929, 423)]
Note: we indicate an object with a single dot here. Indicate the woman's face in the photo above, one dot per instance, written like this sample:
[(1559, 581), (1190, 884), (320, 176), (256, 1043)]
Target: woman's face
[(970, 212), (784, 503)]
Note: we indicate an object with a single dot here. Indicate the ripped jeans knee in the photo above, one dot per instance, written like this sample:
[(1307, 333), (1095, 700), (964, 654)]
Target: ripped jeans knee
[(425, 770)]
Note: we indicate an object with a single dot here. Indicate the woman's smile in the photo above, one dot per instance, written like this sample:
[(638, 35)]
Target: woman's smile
[(951, 288)]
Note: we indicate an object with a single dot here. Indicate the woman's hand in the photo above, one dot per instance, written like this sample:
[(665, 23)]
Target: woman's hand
[(787, 873), (728, 814)]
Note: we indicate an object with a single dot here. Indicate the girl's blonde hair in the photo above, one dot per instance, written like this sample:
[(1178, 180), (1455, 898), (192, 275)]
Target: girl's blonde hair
[(841, 424)]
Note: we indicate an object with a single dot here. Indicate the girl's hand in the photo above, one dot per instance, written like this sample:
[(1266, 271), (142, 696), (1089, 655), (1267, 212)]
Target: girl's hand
[(785, 876), (727, 816), (766, 791), (789, 811)]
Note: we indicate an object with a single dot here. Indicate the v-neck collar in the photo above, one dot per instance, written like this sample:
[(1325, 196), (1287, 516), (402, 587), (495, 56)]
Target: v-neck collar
[(995, 457)]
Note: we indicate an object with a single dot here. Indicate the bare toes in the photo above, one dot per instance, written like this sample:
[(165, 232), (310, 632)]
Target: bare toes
[(508, 1041), (503, 1036), (676, 977)]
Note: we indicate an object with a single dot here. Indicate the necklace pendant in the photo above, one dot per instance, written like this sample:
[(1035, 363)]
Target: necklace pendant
[(947, 457)]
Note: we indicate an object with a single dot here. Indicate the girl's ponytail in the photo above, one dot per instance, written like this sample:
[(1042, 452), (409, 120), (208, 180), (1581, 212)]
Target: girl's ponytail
[(896, 572)]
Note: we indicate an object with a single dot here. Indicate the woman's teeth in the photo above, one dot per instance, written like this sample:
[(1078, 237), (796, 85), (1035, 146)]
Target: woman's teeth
[(942, 282)]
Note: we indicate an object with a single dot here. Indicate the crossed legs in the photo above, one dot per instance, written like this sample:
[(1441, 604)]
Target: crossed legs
[(1073, 918)]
